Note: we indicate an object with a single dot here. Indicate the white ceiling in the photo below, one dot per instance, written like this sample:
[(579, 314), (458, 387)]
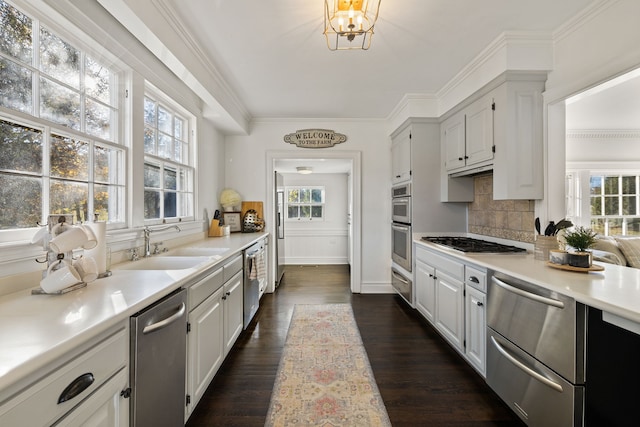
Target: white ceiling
[(273, 57), (317, 165)]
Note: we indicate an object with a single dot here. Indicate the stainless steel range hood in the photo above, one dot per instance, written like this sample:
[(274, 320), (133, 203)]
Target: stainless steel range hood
[(473, 171)]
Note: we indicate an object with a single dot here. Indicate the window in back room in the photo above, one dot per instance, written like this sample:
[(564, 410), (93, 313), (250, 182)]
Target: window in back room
[(59, 112), (305, 203)]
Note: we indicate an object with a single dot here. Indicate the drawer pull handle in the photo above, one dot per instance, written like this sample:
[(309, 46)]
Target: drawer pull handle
[(474, 279), (535, 297), (76, 387), (165, 322)]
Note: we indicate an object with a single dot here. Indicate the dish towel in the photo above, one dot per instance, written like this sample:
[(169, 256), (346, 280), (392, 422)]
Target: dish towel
[(256, 267)]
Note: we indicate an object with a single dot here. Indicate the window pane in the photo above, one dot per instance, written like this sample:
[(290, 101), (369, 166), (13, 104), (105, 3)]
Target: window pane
[(69, 158), (293, 196), (170, 207), (149, 141), (615, 226), (185, 204), (628, 185), (101, 202), (165, 122), (305, 196), (164, 146), (628, 205), (633, 226), (179, 151), (611, 185), (151, 204), (178, 126), (595, 184), (20, 201), (98, 119), (316, 211), (597, 225), (105, 160), (170, 178), (151, 175), (611, 206), (150, 112), (59, 59), (109, 202), (184, 180), (15, 33), (69, 198), (596, 205), (292, 212), (15, 87), (305, 211), (21, 148), (316, 196), (59, 104), (97, 80)]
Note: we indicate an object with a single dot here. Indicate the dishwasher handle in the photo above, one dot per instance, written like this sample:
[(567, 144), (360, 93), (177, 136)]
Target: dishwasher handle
[(535, 297), (165, 322)]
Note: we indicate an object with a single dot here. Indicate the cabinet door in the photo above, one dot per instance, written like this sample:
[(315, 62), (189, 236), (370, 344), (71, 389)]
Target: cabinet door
[(425, 290), (401, 157), (233, 315), (475, 328), (453, 141), (205, 342), (450, 309), (479, 127), (104, 408)]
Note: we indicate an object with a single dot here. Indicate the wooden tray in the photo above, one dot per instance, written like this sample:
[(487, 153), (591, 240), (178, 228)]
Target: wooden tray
[(568, 267)]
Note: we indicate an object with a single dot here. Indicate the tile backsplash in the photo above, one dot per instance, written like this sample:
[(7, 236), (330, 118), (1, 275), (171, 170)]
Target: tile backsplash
[(505, 219)]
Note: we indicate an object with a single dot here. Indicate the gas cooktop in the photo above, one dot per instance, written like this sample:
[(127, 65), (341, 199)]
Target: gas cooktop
[(471, 245)]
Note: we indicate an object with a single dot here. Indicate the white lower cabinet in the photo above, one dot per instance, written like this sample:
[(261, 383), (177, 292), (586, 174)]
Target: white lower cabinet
[(83, 389), (426, 290), (475, 332), (215, 323), (105, 408), (450, 309), (451, 295), (233, 314)]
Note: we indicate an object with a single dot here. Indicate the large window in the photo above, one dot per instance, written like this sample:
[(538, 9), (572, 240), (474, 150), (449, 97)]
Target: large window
[(305, 203), (168, 165), (614, 201), (58, 128)]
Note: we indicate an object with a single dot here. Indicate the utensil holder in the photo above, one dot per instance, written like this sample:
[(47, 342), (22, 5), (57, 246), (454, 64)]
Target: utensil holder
[(543, 245)]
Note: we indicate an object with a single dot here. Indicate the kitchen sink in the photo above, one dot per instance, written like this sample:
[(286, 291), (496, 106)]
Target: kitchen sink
[(164, 263), (198, 252)]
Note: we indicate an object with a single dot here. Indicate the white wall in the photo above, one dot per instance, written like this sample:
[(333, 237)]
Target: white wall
[(589, 50), (324, 241), (246, 169)]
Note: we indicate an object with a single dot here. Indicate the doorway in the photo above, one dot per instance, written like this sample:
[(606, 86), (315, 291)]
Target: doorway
[(352, 159)]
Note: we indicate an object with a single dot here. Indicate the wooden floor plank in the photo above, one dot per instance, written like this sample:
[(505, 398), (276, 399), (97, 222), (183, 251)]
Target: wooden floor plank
[(423, 381)]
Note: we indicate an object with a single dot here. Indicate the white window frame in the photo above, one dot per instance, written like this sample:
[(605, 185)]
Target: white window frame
[(619, 195), (310, 204), (188, 163), (32, 119)]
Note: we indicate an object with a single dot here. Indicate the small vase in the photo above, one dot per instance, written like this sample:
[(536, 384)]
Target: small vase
[(580, 259), (558, 256)]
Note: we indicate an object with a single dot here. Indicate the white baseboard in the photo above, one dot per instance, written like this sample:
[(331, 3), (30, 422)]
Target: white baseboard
[(315, 261)]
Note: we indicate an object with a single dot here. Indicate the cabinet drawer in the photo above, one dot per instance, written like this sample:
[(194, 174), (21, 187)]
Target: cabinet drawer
[(201, 290), (41, 404), (441, 263), (232, 267), (475, 278)]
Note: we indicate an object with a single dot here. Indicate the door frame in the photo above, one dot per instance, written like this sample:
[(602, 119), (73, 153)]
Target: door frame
[(355, 190)]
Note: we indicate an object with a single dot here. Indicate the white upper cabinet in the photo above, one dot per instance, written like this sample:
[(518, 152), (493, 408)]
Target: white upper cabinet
[(498, 129), (401, 157)]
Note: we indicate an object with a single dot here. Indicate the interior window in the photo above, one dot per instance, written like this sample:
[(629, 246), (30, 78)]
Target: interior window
[(305, 203)]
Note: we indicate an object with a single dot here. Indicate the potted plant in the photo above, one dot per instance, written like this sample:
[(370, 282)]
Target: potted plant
[(580, 239)]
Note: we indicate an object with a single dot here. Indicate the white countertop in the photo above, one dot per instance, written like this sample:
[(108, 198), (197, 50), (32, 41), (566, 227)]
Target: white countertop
[(615, 290), (35, 330)]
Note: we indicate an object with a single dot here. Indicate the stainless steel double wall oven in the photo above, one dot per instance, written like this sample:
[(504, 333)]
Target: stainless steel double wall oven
[(401, 240)]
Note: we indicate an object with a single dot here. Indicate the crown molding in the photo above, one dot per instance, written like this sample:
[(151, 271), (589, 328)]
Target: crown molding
[(582, 18)]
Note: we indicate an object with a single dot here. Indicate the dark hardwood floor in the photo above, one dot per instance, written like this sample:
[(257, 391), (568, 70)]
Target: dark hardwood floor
[(423, 381)]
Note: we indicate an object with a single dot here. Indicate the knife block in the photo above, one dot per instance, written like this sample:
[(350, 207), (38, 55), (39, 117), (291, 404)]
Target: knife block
[(215, 230)]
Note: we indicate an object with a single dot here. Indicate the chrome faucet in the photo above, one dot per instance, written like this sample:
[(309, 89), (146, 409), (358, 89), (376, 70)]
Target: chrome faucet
[(147, 237)]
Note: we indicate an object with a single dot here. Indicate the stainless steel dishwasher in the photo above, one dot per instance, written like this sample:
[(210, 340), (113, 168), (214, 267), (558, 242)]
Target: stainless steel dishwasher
[(158, 363)]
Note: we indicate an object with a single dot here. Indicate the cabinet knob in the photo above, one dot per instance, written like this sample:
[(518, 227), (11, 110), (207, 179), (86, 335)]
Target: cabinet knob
[(460, 158), (479, 303), (224, 297), (466, 157), (228, 293)]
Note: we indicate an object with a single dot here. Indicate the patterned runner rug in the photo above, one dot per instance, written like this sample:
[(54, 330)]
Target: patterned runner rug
[(324, 377)]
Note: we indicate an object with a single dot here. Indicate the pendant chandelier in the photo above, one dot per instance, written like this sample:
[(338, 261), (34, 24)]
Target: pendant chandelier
[(348, 24)]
